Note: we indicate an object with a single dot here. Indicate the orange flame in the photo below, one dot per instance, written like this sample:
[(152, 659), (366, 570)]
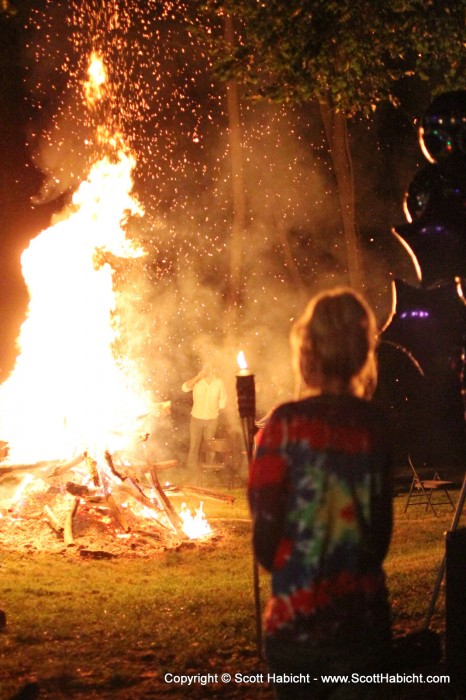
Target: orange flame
[(194, 526), (93, 88), (68, 392), (241, 359)]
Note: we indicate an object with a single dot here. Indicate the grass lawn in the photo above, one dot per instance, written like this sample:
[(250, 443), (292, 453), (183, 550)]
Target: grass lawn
[(79, 628)]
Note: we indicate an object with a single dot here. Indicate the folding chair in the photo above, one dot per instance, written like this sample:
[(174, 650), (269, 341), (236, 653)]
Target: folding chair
[(221, 460), (425, 488)]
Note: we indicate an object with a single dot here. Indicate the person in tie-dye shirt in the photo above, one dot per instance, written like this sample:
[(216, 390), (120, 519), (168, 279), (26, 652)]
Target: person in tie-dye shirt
[(321, 500)]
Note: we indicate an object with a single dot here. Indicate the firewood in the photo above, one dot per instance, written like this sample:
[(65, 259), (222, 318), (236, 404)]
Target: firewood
[(166, 464), (206, 493), (91, 464), (68, 531), (52, 520), (50, 468), (66, 466), (109, 460), (139, 496), (11, 469), (80, 490), (130, 486), (117, 513), (170, 511)]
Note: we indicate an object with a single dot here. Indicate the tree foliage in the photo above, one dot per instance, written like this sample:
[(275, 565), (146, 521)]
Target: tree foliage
[(346, 53)]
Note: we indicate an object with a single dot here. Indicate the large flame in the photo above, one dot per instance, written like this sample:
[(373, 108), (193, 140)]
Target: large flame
[(68, 392)]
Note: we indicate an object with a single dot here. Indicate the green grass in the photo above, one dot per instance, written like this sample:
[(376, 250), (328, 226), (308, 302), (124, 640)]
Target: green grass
[(112, 628)]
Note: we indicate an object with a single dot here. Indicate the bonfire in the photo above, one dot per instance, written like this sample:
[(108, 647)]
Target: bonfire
[(73, 414)]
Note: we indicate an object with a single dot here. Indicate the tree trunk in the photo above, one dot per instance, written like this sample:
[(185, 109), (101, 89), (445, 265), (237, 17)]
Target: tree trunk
[(236, 283), (336, 131)]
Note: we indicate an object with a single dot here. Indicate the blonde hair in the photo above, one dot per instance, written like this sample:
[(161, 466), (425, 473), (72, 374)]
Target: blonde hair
[(333, 344)]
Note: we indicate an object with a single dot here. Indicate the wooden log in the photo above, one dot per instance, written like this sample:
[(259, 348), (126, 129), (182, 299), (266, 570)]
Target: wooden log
[(80, 490), (68, 530), (206, 493), (117, 513), (10, 469), (52, 520), (109, 460), (170, 511), (91, 465), (66, 466), (128, 490), (166, 464), (51, 468), (133, 489), (141, 466)]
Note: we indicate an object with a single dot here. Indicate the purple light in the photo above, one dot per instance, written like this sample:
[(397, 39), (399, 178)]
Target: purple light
[(415, 314)]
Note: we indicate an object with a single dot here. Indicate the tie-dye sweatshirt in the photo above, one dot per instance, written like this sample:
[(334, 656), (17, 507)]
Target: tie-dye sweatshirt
[(320, 496)]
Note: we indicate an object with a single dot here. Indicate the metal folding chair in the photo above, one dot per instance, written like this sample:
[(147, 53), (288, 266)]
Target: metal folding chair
[(422, 490)]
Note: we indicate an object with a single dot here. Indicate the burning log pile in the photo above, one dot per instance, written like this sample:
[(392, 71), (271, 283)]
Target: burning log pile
[(97, 508), (64, 397)]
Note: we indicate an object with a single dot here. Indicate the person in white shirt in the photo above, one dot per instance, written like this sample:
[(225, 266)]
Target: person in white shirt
[(209, 398)]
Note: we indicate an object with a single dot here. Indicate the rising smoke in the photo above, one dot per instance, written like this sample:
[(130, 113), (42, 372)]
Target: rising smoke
[(172, 302)]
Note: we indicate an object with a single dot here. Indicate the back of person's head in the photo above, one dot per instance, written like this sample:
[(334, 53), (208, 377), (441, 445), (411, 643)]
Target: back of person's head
[(333, 344)]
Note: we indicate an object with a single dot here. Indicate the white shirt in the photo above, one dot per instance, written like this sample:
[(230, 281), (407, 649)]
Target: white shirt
[(208, 398)]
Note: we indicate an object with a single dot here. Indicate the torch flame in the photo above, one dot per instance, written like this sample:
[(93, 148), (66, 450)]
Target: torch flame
[(241, 359)]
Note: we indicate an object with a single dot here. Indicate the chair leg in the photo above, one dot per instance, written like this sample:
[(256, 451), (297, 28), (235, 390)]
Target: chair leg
[(445, 490), (449, 498), (428, 494), (432, 505), (409, 496)]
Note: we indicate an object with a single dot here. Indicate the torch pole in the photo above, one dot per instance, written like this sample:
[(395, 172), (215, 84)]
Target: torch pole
[(441, 571), (246, 395), (461, 499)]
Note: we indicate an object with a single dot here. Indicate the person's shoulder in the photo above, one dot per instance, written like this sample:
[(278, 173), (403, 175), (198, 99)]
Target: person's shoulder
[(373, 410), (284, 410)]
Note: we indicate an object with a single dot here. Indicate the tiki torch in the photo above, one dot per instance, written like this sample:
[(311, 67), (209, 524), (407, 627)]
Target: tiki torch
[(246, 395)]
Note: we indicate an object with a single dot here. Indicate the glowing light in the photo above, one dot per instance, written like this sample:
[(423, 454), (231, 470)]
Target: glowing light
[(241, 359), (392, 311), (411, 253), (459, 289), (415, 313)]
